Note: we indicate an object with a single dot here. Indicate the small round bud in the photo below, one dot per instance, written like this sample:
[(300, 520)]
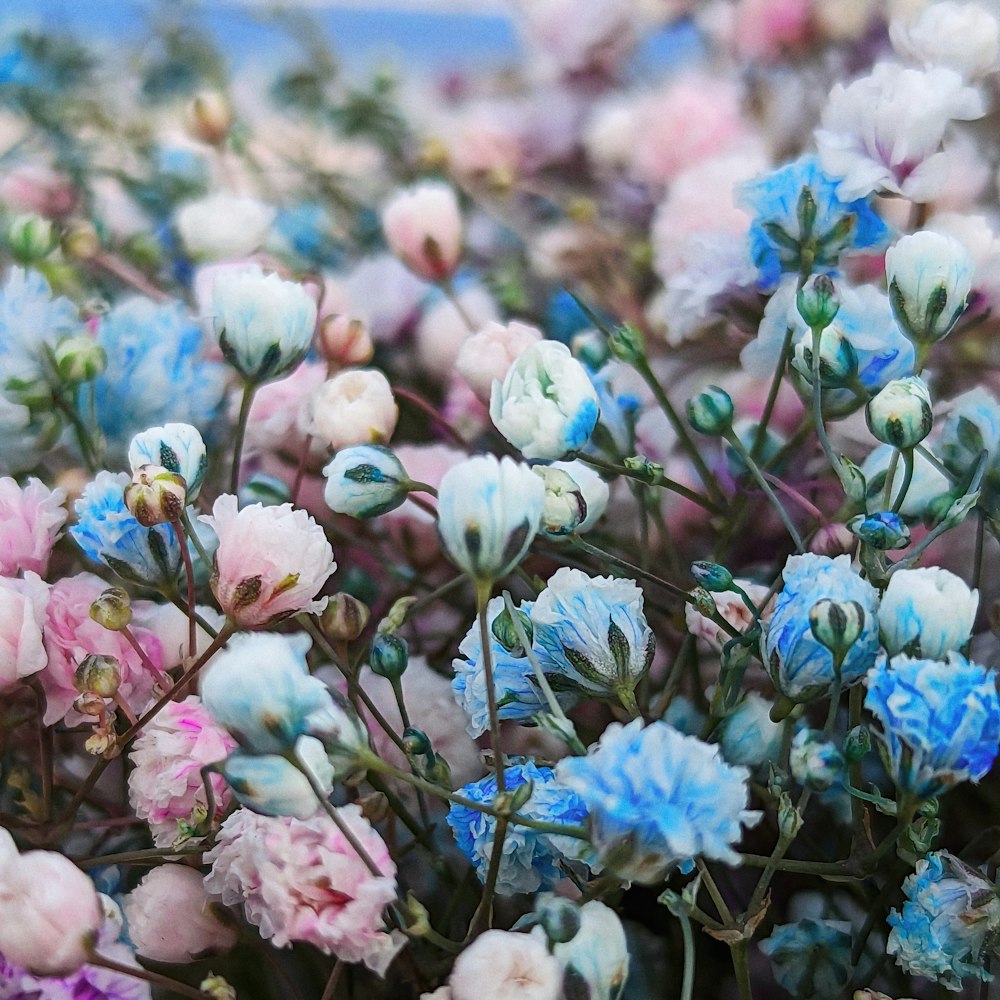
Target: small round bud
[(98, 675), (814, 761), (31, 238), (837, 624), (79, 359), (711, 411), (113, 609), (416, 742), (838, 361), (269, 491), (344, 618), (558, 917), (365, 481), (882, 530), (80, 240), (389, 655), (857, 744), (156, 495), (504, 632), (901, 413), (818, 302), (344, 341), (565, 508), (703, 602), (713, 577), (209, 117)]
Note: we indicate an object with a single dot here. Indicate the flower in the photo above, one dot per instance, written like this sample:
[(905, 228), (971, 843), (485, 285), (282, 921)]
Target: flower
[(732, 607), (270, 564), (948, 922), (962, 36), (657, 798), (592, 487), (157, 371), (940, 722), (365, 481), (531, 860), (546, 406), (265, 325), (747, 735), (31, 518), (926, 612), (883, 132), (165, 786), (423, 227), (901, 414), (505, 965), (487, 355), (811, 958), (108, 533), (301, 880), (354, 407), (800, 221), (814, 761), (972, 426), (344, 341), (178, 448), (170, 917), (223, 226), (801, 667), (593, 632), (22, 618), (489, 511), (279, 412), (565, 507), (930, 277)]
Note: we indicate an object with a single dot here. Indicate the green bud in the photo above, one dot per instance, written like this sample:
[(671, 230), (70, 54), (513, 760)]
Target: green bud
[(818, 302), (416, 742), (389, 655), (857, 744), (31, 238), (514, 799), (99, 675), (901, 413), (217, 988), (113, 609), (853, 481), (712, 576), (344, 618), (651, 472), (438, 771), (394, 620), (837, 624), (626, 344), (79, 359), (711, 411), (80, 240), (504, 632), (789, 818)]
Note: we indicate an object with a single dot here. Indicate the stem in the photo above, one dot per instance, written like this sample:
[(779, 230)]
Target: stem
[(907, 479), (331, 983), (687, 986), (447, 286), (140, 652), (146, 975), (300, 469), (482, 918), (189, 574), (419, 403), (195, 540), (482, 599), (817, 400), (249, 388), (741, 967), (124, 272), (612, 468)]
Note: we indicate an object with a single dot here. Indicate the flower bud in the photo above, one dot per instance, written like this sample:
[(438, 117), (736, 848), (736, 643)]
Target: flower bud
[(79, 359), (209, 117), (711, 411), (423, 227), (838, 361), (901, 413), (504, 632), (156, 495), (882, 530), (558, 917), (626, 344), (814, 761), (857, 744), (832, 540), (837, 624), (99, 675), (90, 703), (268, 491), (818, 302), (926, 612), (345, 342), (704, 603), (344, 618), (565, 508), (713, 577), (853, 481), (30, 238), (389, 655), (355, 407), (113, 609), (789, 818), (178, 448), (80, 240), (650, 471), (365, 481)]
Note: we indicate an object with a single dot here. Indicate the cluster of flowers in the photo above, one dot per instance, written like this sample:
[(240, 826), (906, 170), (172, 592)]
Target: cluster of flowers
[(433, 515)]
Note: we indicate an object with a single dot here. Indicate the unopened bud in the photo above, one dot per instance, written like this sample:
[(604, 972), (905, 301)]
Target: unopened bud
[(113, 609), (345, 342), (857, 744), (103, 742), (901, 413), (789, 818), (99, 675), (416, 742), (79, 359), (712, 576), (438, 771), (883, 530), (838, 361), (814, 761), (210, 117), (626, 344), (217, 987), (711, 411), (854, 482), (558, 917), (374, 807), (832, 540), (504, 632), (565, 508), (817, 302), (30, 238), (156, 495), (651, 472), (344, 618), (80, 240), (703, 602), (389, 655), (837, 624)]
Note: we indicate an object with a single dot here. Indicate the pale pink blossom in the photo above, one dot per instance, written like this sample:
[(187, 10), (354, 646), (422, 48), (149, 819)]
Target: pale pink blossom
[(34, 187), (732, 608), (488, 354), (170, 917), (301, 880), (963, 36), (277, 414), (271, 562), (423, 227), (345, 341), (484, 144), (977, 235), (22, 617), (768, 29), (443, 329), (30, 520), (463, 410), (506, 965), (50, 913), (354, 407), (165, 785), (71, 634)]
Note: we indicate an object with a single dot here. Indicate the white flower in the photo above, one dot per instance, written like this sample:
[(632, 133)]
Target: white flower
[(547, 406), (178, 448), (928, 607), (598, 952), (506, 965), (930, 277), (354, 407), (962, 36), (884, 131), (264, 325), (365, 481), (223, 226), (901, 413), (594, 489), (489, 511)]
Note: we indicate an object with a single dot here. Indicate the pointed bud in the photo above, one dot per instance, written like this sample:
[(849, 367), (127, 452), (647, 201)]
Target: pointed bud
[(113, 609), (626, 344), (703, 602), (438, 771), (837, 624), (344, 618), (217, 988), (389, 655), (818, 302), (853, 481), (416, 743), (79, 359), (712, 576), (209, 117), (30, 238), (156, 495), (711, 411), (651, 472), (99, 675), (838, 361), (789, 818)]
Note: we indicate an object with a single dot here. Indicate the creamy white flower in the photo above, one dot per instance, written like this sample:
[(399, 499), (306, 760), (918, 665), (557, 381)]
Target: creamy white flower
[(547, 406), (901, 414), (506, 965), (929, 607), (884, 132), (353, 408), (962, 36), (595, 490), (223, 226)]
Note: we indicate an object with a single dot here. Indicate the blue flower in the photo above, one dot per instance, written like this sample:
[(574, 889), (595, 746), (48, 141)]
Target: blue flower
[(517, 694), (811, 958), (593, 633), (657, 798), (948, 922), (531, 859), (619, 412), (882, 530), (801, 667), (307, 231), (156, 371), (940, 722), (747, 735), (178, 448), (109, 534), (800, 225)]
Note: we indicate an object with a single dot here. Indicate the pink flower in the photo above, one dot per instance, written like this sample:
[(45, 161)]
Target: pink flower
[(71, 634), (354, 407), (423, 227), (345, 341), (271, 562), (301, 880), (443, 329), (488, 354), (30, 519), (506, 965), (277, 414), (732, 608), (170, 918), (165, 785), (767, 29), (49, 911), (34, 187), (22, 617)]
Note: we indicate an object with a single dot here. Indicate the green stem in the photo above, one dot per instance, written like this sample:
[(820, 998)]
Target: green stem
[(249, 388), (687, 985), (890, 475), (907, 480), (614, 469), (741, 967), (817, 401)]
